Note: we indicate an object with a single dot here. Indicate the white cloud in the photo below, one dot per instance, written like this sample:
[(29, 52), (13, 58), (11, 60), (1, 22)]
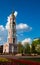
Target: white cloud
[(1, 28), (3, 34), (8, 22), (27, 40), (23, 27)]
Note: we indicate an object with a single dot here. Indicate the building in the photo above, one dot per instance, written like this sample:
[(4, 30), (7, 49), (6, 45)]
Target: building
[(11, 45)]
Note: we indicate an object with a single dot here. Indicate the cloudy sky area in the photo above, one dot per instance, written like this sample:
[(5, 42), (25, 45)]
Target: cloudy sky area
[(27, 19)]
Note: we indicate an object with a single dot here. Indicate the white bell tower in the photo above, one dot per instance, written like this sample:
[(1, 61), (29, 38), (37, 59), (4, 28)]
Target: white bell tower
[(12, 40), (11, 45)]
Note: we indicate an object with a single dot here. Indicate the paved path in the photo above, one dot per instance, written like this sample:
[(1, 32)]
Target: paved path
[(17, 57)]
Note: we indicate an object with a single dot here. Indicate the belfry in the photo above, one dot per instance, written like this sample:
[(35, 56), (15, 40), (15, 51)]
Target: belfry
[(11, 45)]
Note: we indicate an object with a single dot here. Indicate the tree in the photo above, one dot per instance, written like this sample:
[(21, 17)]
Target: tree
[(20, 47), (35, 44), (38, 49), (33, 49), (27, 48)]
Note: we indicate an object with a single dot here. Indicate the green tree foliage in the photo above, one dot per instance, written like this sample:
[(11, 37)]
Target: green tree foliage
[(27, 48), (38, 48), (20, 47), (36, 42), (33, 48), (35, 45)]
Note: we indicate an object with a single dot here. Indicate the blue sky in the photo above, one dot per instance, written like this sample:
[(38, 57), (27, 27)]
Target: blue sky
[(28, 13)]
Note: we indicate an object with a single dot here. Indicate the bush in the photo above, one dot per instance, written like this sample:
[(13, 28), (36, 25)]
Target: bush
[(4, 60)]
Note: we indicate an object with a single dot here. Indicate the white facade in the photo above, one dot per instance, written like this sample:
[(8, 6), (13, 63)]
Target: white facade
[(6, 48)]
